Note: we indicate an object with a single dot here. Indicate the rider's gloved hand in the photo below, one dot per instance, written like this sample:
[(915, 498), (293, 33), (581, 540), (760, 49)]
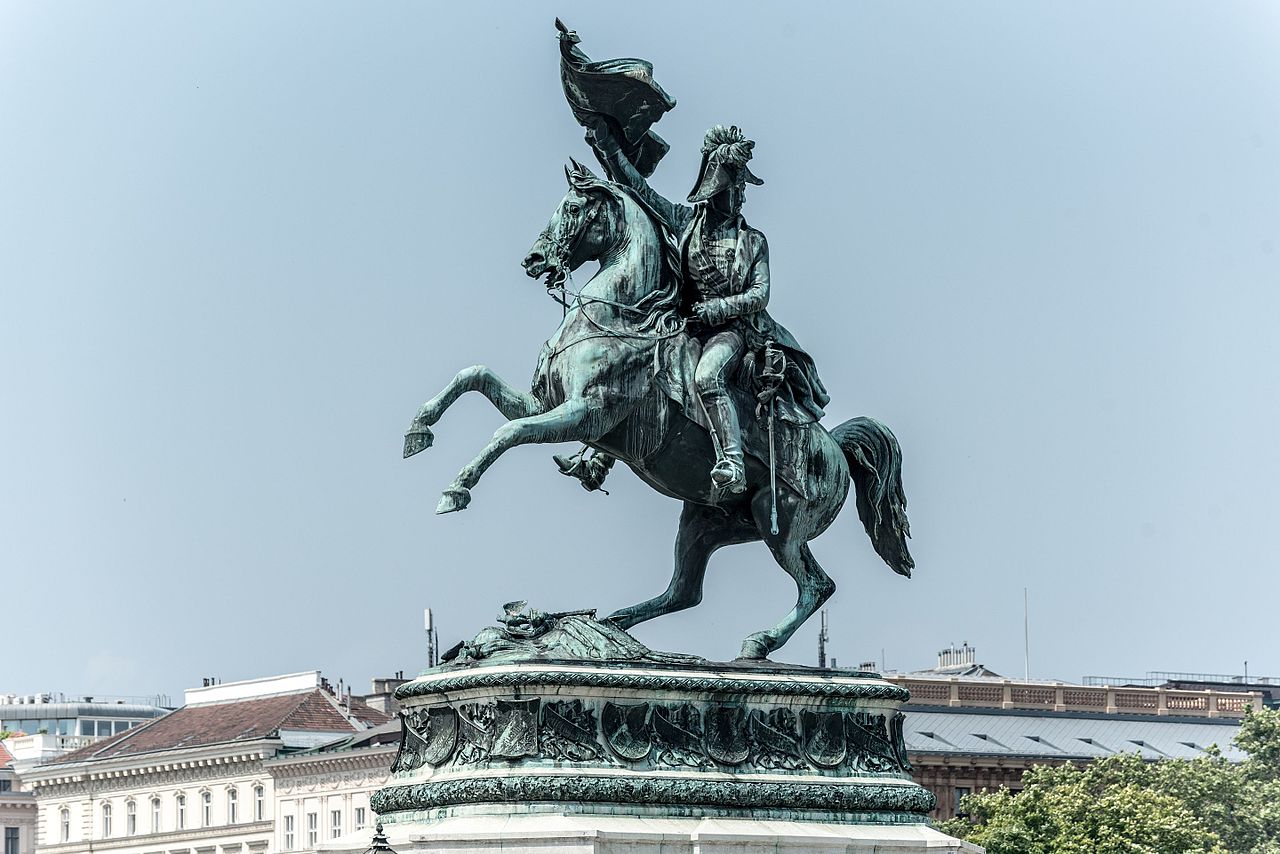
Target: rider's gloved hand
[(713, 312)]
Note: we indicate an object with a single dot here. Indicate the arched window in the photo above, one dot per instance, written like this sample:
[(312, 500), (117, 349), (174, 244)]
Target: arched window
[(64, 820), (130, 818), (206, 809), (182, 812), (106, 821), (155, 815), (233, 807), (259, 804)]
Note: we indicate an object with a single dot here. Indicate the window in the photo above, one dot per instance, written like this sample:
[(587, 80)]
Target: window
[(206, 809), (288, 833), (6, 785), (102, 728), (155, 815), (259, 804), (233, 807), (64, 819), (106, 820), (335, 824), (182, 812), (11, 840), (130, 818), (313, 824), (359, 818)]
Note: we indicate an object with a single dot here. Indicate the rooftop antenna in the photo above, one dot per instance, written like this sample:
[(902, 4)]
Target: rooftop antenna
[(1026, 638), (432, 643), (822, 640)]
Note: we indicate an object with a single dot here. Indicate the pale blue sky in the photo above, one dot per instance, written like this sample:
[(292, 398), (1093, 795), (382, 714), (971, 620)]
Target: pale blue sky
[(240, 243)]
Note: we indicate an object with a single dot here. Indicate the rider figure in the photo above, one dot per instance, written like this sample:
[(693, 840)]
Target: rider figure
[(725, 270)]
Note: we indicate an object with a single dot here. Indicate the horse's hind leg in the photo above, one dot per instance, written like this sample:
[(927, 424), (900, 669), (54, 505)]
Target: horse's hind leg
[(570, 421), (703, 530), (791, 550), (511, 402)]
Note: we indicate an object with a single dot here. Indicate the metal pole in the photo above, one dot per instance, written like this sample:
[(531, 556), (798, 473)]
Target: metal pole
[(431, 637), (1026, 638), (822, 640)]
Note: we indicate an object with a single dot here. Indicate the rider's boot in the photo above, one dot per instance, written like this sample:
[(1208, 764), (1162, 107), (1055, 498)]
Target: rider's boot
[(729, 472), (591, 471)]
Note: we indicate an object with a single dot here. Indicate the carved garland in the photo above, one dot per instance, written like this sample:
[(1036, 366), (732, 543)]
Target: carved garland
[(683, 735), (911, 799)]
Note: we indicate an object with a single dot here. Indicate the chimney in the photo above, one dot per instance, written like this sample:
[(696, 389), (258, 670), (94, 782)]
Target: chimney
[(964, 656)]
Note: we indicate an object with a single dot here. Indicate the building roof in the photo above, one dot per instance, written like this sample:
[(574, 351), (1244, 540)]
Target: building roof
[(1048, 735), (233, 721), (366, 714), (6, 758), (384, 734)]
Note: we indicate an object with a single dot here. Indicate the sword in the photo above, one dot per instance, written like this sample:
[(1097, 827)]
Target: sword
[(773, 472), (775, 364)]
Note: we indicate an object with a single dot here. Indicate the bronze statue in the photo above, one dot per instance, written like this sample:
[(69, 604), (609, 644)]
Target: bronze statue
[(667, 360), (724, 265)]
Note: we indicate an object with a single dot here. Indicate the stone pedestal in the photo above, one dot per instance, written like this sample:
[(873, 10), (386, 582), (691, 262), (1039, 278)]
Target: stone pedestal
[(544, 834), (639, 755)]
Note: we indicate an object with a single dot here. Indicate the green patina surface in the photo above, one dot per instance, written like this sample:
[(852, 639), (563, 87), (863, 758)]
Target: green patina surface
[(879, 803)]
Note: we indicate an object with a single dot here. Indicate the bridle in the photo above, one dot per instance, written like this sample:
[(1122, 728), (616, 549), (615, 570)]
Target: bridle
[(564, 243)]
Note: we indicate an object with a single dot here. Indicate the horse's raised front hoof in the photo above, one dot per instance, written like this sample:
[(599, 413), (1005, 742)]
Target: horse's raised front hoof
[(417, 440), (756, 647), (453, 500)]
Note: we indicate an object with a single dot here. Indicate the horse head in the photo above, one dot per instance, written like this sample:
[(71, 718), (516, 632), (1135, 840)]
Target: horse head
[(579, 230)]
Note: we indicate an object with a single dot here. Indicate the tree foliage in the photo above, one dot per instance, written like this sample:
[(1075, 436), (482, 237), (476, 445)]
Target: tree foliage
[(1123, 804)]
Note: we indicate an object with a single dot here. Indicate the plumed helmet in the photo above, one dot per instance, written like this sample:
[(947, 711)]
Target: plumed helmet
[(725, 152)]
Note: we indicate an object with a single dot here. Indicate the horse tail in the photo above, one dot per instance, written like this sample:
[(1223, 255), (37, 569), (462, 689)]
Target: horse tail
[(875, 463)]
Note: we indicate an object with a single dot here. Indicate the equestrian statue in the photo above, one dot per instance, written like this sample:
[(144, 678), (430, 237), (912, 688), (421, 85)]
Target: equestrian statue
[(668, 360)]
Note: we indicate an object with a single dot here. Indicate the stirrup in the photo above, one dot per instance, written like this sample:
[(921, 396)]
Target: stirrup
[(729, 476), (587, 470)]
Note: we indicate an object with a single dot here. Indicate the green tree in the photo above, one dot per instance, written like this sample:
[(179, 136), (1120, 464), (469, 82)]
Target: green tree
[(1125, 804)]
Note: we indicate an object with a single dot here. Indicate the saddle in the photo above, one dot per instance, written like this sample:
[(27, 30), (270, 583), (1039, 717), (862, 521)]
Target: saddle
[(674, 377)]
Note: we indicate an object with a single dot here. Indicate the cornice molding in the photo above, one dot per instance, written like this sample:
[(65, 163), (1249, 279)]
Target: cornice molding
[(703, 682), (115, 767)]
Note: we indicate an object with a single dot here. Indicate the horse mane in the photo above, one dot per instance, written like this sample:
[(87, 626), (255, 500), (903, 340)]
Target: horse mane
[(661, 306)]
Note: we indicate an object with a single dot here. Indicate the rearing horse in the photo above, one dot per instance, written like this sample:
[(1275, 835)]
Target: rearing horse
[(594, 384)]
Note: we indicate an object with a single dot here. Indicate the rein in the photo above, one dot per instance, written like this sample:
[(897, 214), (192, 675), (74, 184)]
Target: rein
[(564, 244), (580, 301)]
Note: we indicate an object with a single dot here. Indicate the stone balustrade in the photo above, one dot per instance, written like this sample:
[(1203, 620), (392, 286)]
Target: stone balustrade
[(1064, 697)]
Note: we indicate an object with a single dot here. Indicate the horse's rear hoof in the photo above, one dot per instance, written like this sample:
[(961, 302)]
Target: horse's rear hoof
[(756, 647), (453, 500), (417, 440)]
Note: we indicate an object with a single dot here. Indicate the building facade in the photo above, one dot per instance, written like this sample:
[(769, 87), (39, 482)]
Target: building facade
[(322, 795), (970, 730), (194, 781), (17, 810)]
